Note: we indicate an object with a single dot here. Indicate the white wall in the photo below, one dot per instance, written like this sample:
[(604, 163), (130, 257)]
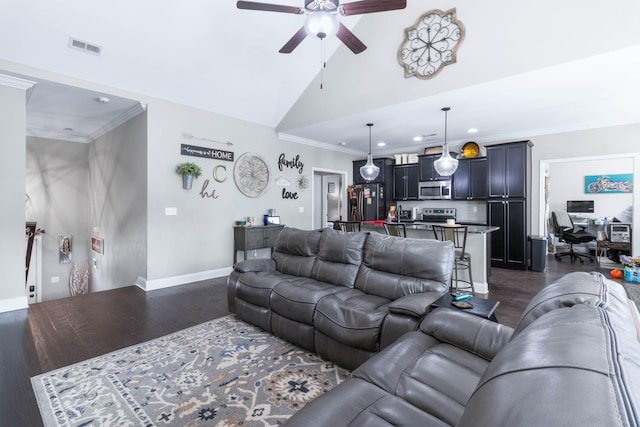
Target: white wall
[(118, 205), (567, 182), (57, 182), (12, 198)]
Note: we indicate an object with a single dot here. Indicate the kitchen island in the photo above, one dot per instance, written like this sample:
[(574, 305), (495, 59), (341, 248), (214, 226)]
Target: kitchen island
[(478, 246)]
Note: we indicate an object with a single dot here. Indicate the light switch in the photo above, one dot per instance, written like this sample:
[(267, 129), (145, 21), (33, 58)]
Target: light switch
[(171, 211), (301, 209)]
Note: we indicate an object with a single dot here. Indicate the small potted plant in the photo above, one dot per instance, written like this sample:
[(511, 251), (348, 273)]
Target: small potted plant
[(188, 170)]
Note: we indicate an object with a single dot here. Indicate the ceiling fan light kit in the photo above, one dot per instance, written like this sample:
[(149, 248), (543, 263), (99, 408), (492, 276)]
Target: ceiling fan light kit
[(321, 24), (445, 165), (369, 171)]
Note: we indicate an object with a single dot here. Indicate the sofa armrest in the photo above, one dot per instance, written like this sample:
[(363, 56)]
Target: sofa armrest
[(256, 264), (474, 334), (415, 305)]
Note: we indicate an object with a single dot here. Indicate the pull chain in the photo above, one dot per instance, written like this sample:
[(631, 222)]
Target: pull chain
[(323, 61)]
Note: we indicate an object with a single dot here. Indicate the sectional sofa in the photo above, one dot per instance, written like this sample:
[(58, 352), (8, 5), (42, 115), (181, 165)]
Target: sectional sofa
[(344, 296), (572, 360)]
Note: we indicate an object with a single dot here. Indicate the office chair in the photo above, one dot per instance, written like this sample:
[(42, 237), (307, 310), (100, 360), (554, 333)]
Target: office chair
[(566, 232)]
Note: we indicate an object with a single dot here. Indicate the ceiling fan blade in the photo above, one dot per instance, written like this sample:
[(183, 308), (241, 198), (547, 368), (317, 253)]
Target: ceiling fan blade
[(251, 5), (294, 41), (370, 6), (350, 40)]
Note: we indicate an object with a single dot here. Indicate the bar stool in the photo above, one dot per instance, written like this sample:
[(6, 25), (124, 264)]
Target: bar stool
[(458, 235), (348, 226), (395, 229)]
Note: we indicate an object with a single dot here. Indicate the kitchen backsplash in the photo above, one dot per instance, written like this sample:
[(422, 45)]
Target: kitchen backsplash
[(474, 211)]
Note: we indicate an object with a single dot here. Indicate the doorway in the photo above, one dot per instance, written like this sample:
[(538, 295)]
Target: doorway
[(328, 197)]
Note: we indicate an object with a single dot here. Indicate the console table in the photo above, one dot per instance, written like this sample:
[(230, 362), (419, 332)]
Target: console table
[(258, 237)]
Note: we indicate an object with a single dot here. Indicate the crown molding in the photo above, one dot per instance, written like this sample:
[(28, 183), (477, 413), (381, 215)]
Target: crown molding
[(127, 115), (18, 83), (318, 144)]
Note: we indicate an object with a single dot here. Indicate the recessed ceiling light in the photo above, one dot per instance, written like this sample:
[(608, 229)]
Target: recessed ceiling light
[(472, 130), (343, 143), (103, 100), (381, 144), (417, 138)]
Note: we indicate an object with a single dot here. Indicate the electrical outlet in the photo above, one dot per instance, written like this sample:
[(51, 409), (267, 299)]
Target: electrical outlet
[(55, 279), (301, 209), (475, 209)]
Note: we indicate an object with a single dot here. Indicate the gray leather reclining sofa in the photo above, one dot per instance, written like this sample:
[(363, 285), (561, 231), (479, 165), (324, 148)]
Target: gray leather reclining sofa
[(344, 296), (572, 360)]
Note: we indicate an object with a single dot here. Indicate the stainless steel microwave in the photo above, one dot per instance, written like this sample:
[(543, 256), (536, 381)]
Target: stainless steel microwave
[(434, 190)]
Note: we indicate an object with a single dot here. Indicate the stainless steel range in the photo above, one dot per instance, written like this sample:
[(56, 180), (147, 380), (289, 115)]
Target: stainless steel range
[(438, 215)]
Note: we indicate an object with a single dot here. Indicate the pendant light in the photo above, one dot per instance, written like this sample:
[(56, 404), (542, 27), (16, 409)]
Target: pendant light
[(445, 165), (370, 171)]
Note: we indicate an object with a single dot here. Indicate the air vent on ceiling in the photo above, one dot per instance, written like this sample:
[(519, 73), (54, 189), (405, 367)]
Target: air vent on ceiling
[(84, 46)]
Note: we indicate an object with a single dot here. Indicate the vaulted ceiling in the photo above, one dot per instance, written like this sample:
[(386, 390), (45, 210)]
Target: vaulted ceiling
[(524, 68)]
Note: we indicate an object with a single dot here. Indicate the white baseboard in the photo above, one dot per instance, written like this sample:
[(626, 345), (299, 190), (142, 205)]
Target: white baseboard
[(167, 282), (12, 304)]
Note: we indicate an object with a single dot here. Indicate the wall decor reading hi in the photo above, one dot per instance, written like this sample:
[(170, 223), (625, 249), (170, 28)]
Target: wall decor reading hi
[(603, 184)]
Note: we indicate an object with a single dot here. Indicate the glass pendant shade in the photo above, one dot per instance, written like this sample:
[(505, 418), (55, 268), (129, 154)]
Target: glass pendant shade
[(445, 165), (370, 171)]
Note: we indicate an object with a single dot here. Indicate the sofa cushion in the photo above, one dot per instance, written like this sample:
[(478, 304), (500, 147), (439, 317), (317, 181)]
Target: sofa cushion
[(432, 375), (256, 287), (339, 257), (357, 403), (295, 251), (575, 365), (352, 318), (394, 267), (296, 299)]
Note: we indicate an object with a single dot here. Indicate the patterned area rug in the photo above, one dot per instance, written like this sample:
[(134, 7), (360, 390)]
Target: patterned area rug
[(221, 373)]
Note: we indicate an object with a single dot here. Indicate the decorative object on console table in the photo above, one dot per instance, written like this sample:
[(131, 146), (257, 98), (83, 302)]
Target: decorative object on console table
[(189, 171), (250, 238)]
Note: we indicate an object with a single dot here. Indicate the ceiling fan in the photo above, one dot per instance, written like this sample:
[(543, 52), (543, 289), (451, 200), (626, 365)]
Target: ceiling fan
[(322, 18)]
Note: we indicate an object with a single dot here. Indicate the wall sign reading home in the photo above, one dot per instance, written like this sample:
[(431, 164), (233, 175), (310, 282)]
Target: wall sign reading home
[(208, 153)]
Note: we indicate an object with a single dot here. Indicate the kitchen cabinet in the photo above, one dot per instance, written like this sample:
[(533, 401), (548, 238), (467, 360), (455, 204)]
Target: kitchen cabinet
[(509, 243), (427, 171), (508, 169), (509, 178), (405, 182), (470, 180), (250, 238), (385, 175)]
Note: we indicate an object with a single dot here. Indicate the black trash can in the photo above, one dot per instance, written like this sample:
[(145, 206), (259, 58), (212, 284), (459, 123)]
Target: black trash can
[(538, 251)]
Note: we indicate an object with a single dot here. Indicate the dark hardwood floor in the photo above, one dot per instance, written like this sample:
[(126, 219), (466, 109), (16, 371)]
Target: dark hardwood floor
[(58, 333)]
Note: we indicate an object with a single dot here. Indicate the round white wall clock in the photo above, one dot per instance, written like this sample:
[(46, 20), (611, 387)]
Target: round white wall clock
[(431, 44), (251, 175)]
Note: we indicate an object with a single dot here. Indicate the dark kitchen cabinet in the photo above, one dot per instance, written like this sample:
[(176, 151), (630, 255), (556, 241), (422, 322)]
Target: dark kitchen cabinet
[(385, 176), (405, 182), (508, 168), (509, 243), (509, 179), (427, 171), (470, 180)]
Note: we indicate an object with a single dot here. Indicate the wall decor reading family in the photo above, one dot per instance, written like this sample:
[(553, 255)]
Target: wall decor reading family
[(251, 174), (604, 184), (207, 153), (294, 163)]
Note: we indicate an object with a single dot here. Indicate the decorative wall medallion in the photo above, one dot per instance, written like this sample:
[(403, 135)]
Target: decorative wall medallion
[(431, 44), (302, 182), (251, 175)]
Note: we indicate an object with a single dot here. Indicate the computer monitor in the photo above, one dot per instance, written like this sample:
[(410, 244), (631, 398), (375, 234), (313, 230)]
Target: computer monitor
[(580, 207)]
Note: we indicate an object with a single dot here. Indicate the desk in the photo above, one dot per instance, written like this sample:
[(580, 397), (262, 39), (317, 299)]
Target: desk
[(482, 307), (603, 245)]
